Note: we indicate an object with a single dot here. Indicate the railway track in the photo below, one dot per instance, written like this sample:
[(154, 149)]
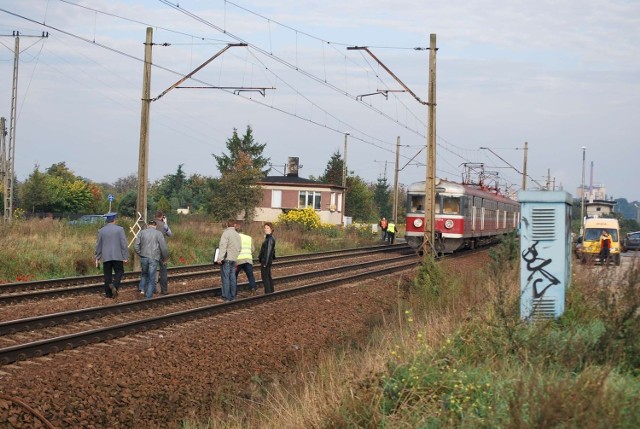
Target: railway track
[(44, 289), (41, 335)]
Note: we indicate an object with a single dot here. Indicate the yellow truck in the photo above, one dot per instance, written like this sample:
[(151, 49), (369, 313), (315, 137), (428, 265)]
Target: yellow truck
[(588, 249)]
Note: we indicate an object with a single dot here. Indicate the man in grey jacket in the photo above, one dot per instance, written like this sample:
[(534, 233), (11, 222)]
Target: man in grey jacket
[(153, 251), (112, 248), (163, 227), (229, 246)]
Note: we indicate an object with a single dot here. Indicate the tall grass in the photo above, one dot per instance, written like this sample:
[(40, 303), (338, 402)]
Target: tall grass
[(38, 249), (458, 355)]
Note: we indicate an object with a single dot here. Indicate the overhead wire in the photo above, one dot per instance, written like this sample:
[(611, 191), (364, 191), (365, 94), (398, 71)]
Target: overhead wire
[(282, 61)]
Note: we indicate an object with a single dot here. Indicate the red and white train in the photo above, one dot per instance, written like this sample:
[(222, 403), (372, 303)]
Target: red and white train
[(466, 216)]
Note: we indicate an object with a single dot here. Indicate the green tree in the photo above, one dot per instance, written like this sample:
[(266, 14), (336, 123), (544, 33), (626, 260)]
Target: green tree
[(126, 184), (173, 189), (382, 198), (359, 200), (200, 190), (240, 170), (127, 205), (62, 171), (239, 191), (163, 205), (35, 195), (56, 190), (334, 170), (246, 145)]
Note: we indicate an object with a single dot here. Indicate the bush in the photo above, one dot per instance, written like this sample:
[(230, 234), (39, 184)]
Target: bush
[(306, 219)]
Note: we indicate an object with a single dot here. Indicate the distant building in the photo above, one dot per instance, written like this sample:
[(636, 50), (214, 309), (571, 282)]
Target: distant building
[(592, 193), (599, 208), (289, 192)]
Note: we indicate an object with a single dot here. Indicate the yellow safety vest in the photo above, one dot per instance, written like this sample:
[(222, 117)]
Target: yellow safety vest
[(391, 228), (246, 248)]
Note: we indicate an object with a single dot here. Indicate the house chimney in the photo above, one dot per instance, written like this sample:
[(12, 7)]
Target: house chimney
[(292, 166)]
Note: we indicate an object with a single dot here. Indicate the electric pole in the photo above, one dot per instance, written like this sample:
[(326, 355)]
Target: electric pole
[(395, 184), (524, 167), (143, 165), (9, 157), (344, 178), (3, 160), (143, 155), (430, 183)]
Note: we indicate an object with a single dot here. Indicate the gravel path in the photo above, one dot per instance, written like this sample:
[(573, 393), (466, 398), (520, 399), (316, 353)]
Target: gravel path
[(157, 378)]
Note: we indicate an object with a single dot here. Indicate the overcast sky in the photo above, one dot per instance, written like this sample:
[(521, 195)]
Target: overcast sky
[(557, 74)]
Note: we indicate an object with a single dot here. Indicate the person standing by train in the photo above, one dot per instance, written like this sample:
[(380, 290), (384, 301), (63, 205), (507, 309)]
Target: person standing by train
[(245, 260), (384, 224), (112, 248), (605, 246), (391, 232), (266, 257), (230, 246), (163, 227)]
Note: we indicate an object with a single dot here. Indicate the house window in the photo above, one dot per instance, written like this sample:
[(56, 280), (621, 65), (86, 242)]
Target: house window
[(309, 199), (276, 199)]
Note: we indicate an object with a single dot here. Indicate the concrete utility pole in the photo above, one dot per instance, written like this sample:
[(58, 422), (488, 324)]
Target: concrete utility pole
[(344, 178), (395, 184), (430, 183), (524, 167), (3, 159), (9, 160), (10, 157), (143, 152), (143, 166), (428, 245), (584, 154)]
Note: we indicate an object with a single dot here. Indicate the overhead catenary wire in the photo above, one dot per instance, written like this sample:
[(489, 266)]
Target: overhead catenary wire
[(282, 110)]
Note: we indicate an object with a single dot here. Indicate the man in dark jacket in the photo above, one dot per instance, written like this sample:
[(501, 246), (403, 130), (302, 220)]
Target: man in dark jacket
[(266, 257), (112, 248)]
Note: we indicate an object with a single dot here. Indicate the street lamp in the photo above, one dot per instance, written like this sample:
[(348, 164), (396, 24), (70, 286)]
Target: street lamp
[(584, 151)]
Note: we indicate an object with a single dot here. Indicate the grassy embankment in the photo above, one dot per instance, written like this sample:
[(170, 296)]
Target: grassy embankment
[(458, 355), (46, 248)]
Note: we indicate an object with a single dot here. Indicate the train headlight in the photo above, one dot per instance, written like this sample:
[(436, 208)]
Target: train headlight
[(448, 224), (417, 222)]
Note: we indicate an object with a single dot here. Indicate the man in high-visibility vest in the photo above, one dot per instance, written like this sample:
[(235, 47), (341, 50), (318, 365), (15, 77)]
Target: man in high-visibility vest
[(245, 259), (391, 232)]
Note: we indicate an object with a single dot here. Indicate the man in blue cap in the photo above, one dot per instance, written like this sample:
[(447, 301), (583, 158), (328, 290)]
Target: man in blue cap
[(112, 248)]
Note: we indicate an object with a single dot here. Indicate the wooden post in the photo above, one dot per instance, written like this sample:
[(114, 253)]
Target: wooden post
[(143, 164), (430, 183)]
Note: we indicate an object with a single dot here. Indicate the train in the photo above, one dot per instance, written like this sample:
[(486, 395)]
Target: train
[(466, 216)]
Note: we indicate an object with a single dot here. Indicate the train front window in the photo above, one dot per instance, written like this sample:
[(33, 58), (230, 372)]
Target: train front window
[(416, 203), (451, 205)]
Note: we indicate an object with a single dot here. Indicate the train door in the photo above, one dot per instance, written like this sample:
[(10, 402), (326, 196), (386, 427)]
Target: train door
[(473, 218)]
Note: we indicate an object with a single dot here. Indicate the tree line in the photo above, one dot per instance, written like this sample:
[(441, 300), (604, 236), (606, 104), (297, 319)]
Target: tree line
[(236, 191)]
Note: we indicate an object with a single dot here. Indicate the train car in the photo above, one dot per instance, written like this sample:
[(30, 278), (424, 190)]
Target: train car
[(466, 216)]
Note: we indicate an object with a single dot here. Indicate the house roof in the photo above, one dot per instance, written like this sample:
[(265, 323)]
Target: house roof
[(294, 181)]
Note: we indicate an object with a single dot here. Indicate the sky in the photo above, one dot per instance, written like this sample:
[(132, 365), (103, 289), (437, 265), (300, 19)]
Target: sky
[(559, 75)]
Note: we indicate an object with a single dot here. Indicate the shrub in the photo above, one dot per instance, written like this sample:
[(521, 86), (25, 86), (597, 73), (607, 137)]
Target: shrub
[(306, 218)]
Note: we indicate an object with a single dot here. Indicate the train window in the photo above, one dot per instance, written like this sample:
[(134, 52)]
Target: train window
[(416, 203), (451, 205)]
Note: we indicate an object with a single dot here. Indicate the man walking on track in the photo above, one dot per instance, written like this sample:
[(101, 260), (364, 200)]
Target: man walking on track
[(112, 248)]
